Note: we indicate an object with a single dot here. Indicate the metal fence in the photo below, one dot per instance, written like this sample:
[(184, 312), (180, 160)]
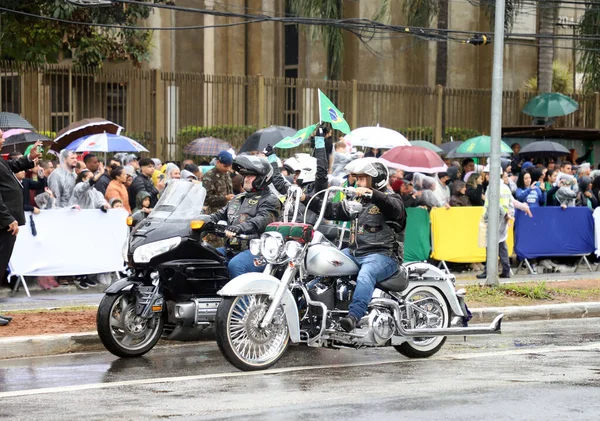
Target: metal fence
[(165, 110)]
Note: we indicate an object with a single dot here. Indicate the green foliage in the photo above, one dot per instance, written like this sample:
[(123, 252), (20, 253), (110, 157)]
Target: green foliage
[(332, 36), (25, 38), (236, 135), (537, 291), (427, 133), (420, 12), (589, 62), (510, 12), (562, 80)]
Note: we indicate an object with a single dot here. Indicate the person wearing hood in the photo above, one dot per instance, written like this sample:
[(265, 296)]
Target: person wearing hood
[(426, 186), (459, 194), (142, 207), (585, 197), (187, 175), (340, 159), (453, 174), (172, 172), (85, 194), (442, 191), (62, 179)]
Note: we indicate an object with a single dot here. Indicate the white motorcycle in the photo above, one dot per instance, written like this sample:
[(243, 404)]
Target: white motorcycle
[(414, 310)]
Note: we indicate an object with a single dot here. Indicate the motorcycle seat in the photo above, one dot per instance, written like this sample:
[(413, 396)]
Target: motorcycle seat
[(395, 283)]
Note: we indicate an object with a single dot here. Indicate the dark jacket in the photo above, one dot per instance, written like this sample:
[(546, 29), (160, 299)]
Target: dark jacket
[(141, 183), (252, 212), (310, 189), (11, 191), (103, 182), (474, 195), (458, 199), (28, 185), (379, 227), (410, 201)]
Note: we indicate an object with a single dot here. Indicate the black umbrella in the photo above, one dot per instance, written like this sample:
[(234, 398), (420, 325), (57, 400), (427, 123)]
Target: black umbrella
[(19, 142), (447, 147), (269, 136), (543, 148), (14, 121)]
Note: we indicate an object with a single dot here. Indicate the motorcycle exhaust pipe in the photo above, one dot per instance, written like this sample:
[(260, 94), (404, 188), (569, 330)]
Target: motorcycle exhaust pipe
[(493, 328)]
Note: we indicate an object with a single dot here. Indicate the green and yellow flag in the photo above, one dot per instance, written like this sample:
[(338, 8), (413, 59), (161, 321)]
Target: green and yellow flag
[(329, 113), (296, 140)]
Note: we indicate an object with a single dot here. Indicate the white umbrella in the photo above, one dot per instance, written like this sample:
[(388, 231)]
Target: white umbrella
[(376, 137)]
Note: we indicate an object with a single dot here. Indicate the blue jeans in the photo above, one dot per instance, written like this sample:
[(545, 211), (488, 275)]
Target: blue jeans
[(241, 263), (373, 268)]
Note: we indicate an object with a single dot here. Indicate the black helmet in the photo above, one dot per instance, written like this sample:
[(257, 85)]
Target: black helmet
[(254, 165), (372, 167)]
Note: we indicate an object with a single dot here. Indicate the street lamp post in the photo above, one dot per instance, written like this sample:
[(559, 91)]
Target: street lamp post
[(496, 135)]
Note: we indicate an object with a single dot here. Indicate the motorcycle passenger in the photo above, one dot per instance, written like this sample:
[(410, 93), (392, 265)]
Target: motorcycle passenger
[(312, 177), (377, 234), (248, 213)]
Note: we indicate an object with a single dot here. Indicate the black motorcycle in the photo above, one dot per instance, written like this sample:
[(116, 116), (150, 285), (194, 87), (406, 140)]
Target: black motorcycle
[(172, 290)]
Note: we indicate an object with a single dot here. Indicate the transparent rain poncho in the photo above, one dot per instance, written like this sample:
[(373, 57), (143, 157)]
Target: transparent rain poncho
[(426, 186), (62, 181)]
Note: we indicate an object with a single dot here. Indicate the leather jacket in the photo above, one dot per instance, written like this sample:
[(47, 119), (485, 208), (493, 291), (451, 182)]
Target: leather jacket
[(252, 212), (379, 227)]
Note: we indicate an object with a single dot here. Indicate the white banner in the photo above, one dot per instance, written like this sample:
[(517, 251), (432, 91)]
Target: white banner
[(71, 242), (596, 216)]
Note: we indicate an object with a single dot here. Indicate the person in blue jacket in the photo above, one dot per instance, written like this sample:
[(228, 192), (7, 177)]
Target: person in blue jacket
[(530, 188)]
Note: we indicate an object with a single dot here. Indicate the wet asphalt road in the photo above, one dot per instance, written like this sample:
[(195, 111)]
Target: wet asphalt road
[(534, 371)]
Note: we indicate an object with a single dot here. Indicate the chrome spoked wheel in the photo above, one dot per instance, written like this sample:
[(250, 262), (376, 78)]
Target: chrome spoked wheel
[(428, 310), (247, 345), (123, 332)]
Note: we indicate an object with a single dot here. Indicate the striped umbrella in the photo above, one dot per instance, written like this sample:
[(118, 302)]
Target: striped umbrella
[(106, 142), (206, 146)]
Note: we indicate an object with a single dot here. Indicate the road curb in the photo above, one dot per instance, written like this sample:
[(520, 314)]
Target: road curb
[(45, 345), (541, 312)]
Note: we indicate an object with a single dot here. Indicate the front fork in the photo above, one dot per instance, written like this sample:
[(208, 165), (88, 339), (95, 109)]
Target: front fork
[(284, 283)]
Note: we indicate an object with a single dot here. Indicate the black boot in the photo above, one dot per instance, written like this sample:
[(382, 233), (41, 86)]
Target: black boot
[(5, 317), (482, 276), (348, 323)]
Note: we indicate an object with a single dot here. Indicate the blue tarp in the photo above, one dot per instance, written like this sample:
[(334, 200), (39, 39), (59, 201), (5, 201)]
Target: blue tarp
[(554, 231)]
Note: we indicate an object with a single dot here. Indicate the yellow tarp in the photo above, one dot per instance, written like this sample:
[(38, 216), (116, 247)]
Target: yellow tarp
[(455, 235)]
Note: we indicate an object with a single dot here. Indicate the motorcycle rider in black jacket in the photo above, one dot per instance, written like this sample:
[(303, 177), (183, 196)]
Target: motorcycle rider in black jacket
[(377, 234), (248, 213)]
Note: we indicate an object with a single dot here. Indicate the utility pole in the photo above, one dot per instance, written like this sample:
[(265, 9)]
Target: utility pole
[(496, 135)]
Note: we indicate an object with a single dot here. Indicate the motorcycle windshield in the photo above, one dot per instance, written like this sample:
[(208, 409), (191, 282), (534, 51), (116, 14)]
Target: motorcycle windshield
[(181, 201)]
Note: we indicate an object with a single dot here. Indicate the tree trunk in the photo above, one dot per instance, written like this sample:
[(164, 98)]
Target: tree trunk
[(546, 49)]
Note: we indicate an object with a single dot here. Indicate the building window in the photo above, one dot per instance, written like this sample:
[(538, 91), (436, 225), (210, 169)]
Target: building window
[(60, 107), (115, 103), (290, 70), (10, 92)]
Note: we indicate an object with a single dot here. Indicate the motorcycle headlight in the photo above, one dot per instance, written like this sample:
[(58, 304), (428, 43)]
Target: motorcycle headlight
[(292, 249), (254, 247), (147, 252), (271, 245)]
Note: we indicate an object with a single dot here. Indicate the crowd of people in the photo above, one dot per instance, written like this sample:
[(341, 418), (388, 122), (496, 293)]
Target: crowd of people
[(85, 181)]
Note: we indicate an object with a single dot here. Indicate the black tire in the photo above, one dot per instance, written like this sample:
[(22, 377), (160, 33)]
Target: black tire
[(107, 334), (410, 348), (222, 324)]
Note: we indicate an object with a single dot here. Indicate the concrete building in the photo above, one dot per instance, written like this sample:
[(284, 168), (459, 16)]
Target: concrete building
[(275, 49)]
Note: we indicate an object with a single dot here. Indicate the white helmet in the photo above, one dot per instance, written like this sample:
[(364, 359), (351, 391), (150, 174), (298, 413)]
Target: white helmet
[(292, 164), (308, 168), (372, 167)]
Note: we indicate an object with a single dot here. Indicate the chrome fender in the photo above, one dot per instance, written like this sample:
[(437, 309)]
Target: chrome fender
[(261, 283), (436, 278)]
